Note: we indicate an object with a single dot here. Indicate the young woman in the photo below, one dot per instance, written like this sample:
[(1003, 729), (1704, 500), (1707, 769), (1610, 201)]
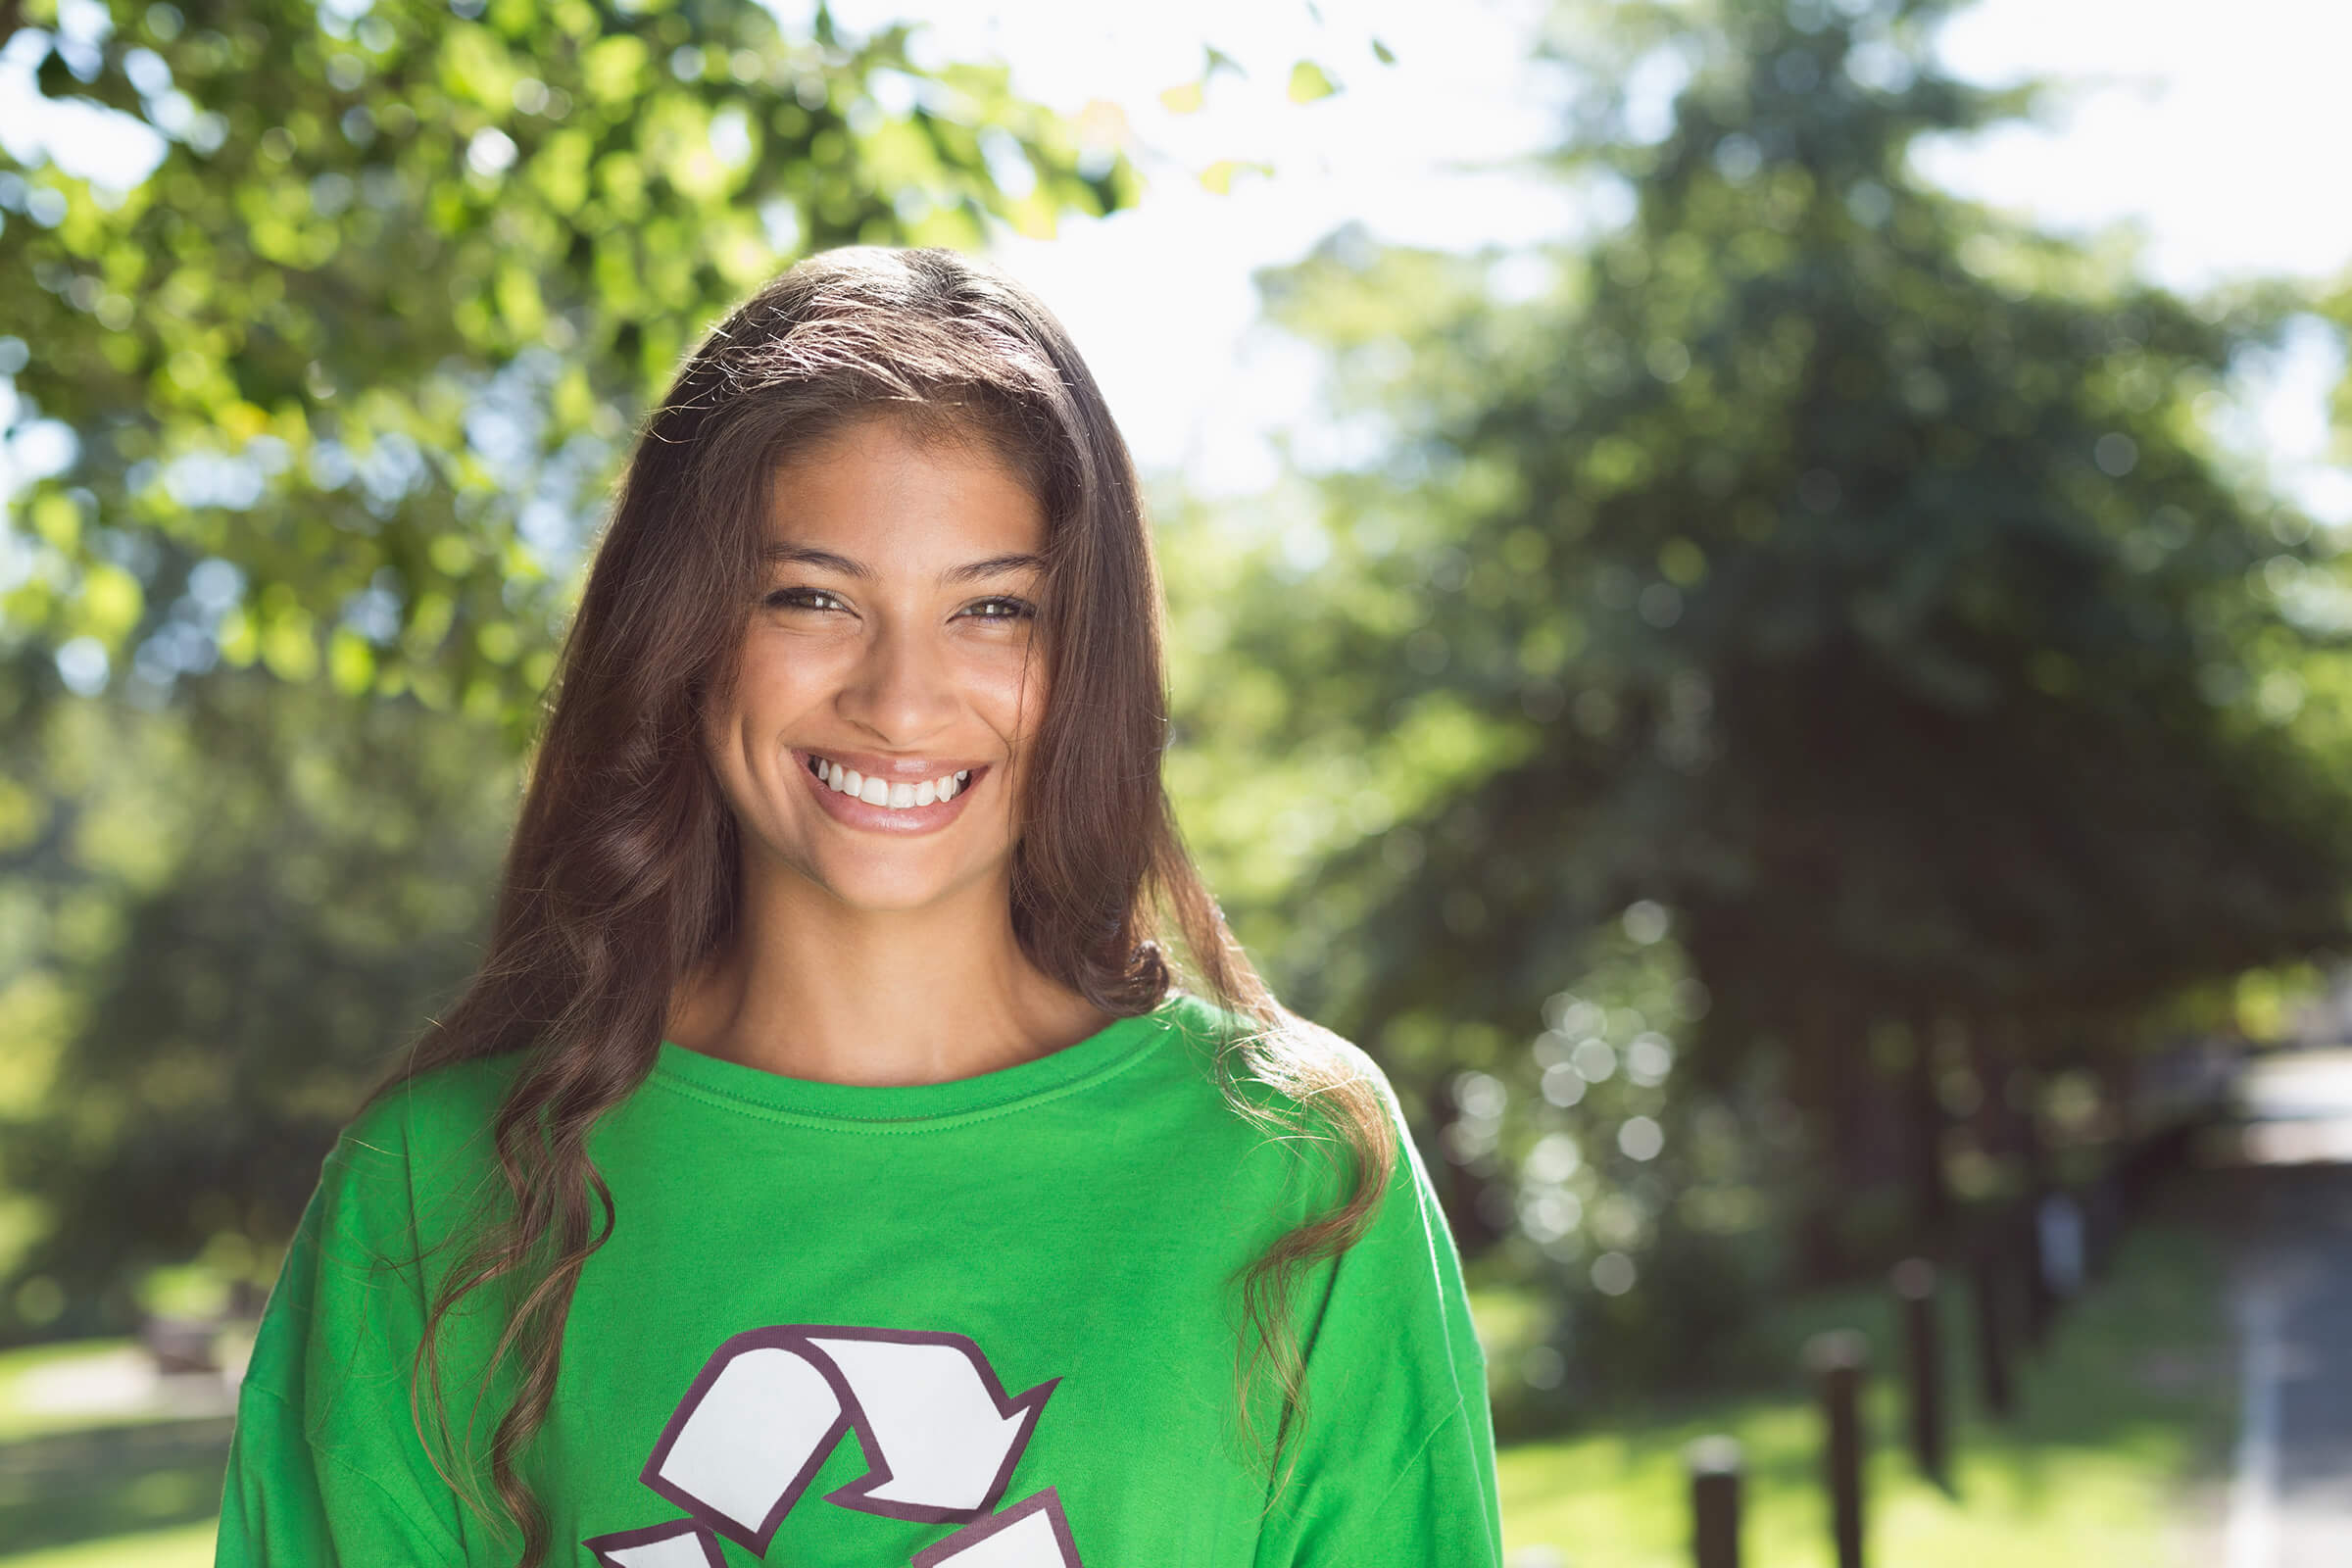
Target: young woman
[(826, 1165)]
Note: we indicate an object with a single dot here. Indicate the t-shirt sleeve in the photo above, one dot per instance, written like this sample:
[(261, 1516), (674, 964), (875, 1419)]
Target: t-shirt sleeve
[(1395, 1461), (326, 1465)]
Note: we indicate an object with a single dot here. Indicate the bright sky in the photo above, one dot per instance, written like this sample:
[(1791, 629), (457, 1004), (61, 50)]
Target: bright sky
[(2212, 129), (2220, 131), (1159, 297), (2220, 140)]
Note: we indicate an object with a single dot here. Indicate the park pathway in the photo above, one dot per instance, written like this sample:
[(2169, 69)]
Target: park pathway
[(2291, 1496)]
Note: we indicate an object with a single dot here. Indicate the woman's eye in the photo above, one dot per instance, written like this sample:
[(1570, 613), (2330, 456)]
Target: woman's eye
[(999, 608)]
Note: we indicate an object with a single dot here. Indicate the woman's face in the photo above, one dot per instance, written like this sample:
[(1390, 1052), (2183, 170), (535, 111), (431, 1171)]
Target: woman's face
[(892, 646)]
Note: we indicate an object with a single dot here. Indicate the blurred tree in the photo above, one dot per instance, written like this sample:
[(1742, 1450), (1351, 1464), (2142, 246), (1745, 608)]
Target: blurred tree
[(1833, 561), (345, 374), (253, 896), (377, 324)]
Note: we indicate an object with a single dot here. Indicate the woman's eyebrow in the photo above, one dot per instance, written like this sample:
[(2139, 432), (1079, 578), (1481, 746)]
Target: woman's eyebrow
[(826, 559)]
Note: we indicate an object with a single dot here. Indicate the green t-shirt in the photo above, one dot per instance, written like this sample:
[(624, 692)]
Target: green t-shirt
[(978, 1324)]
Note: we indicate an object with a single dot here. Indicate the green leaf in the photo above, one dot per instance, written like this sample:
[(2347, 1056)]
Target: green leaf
[(1309, 82)]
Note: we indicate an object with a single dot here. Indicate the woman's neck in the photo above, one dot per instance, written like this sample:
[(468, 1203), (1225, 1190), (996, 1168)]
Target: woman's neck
[(813, 989)]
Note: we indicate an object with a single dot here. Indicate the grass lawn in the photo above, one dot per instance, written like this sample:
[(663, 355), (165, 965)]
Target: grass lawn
[(186, 1546), (98, 1468), (2123, 1419)]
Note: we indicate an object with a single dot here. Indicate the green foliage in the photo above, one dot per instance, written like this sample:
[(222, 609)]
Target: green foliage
[(245, 939), (376, 327), (349, 372), (1852, 561), (1838, 566), (1644, 1201)]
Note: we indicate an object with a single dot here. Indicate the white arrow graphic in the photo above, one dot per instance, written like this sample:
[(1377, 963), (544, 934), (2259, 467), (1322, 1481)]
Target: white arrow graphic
[(757, 1424), (680, 1543), (941, 1436), (938, 1430), (1031, 1534)]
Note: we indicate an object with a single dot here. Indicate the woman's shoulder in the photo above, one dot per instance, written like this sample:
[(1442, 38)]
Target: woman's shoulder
[(1290, 1090), (426, 1132), (1287, 1065), (435, 1101)]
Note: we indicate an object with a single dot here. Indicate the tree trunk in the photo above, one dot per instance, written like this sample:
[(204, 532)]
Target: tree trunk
[(1828, 1077), (1931, 1196)]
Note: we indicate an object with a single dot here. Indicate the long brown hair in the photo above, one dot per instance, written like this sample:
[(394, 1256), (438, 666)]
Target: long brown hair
[(621, 877)]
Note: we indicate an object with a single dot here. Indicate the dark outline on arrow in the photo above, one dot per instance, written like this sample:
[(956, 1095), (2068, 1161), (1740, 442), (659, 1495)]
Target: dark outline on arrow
[(798, 1338), (782, 1339), (621, 1539), (1048, 1503)]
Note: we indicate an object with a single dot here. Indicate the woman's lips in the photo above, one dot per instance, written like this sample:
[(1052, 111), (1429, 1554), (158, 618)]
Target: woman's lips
[(852, 812)]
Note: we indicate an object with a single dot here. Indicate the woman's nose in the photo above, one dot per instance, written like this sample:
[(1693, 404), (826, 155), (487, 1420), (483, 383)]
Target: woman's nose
[(901, 688)]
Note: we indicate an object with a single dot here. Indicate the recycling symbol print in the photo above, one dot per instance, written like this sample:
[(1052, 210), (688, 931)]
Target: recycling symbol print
[(940, 1435)]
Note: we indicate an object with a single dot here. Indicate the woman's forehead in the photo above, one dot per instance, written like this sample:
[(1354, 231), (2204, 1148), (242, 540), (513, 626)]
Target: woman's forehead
[(873, 490)]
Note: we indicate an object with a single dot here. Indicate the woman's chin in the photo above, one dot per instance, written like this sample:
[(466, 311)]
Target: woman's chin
[(890, 881)]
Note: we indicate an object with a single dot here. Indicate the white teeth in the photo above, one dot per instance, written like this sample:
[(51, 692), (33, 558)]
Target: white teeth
[(882, 791)]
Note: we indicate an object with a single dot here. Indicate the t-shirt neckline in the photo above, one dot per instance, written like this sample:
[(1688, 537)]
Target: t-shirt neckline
[(1000, 1090)]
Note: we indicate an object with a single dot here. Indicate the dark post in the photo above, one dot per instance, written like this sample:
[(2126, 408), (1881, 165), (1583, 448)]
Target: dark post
[(1838, 1359), (1992, 1331), (1914, 1281), (1714, 1501)]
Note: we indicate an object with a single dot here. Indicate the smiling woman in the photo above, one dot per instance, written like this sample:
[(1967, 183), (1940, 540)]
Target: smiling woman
[(894, 648), (830, 1072)]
